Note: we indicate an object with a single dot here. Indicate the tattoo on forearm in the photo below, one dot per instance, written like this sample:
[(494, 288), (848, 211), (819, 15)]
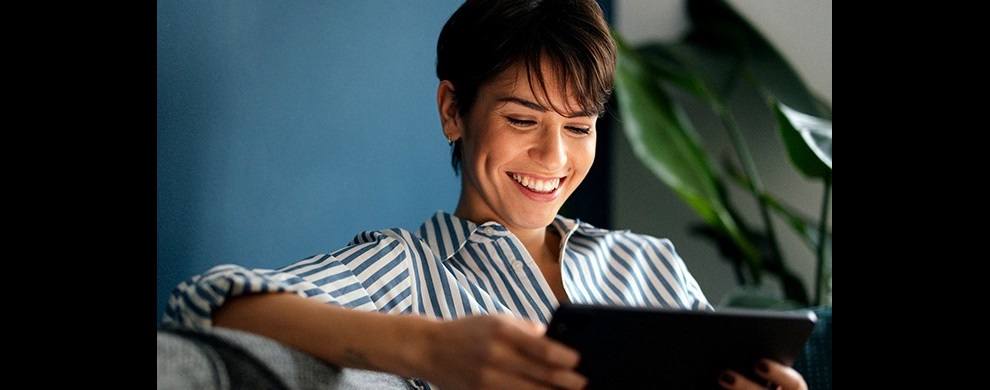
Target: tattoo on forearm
[(357, 359)]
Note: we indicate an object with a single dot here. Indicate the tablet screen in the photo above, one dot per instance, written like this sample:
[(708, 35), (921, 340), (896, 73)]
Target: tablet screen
[(652, 348)]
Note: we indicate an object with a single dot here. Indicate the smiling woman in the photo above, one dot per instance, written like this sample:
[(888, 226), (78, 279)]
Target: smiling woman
[(514, 145), (522, 159), (461, 303)]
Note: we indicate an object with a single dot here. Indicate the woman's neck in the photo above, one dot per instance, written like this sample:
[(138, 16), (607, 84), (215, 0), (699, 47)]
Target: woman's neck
[(543, 246)]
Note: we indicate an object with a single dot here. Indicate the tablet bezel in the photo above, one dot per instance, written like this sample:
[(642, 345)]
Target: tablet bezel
[(636, 347)]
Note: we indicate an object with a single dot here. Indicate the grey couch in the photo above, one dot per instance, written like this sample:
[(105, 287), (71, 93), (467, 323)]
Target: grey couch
[(224, 359), (227, 359)]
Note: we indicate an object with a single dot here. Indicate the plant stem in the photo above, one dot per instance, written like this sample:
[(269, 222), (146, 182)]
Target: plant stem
[(822, 235), (756, 185)]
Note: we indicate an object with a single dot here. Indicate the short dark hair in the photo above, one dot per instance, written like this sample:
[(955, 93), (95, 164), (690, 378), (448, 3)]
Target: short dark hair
[(483, 38)]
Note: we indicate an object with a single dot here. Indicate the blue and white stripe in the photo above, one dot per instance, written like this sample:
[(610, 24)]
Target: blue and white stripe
[(453, 268)]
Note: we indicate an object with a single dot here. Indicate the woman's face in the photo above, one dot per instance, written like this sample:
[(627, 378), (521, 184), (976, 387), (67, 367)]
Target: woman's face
[(521, 158)]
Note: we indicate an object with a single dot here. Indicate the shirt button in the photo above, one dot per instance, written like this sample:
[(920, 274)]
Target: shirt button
[(517, 264), (489, 230)]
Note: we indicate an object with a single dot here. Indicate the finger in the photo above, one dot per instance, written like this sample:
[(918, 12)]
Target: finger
[(494, 379), (517, 362), (499, 379), (528, 353), (781, 375), (532, 342), (553, 352), (730, 379), (531, 328), (558, 378), (535, 328)]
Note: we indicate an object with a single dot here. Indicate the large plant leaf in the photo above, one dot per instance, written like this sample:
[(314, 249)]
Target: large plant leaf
[(665, 141), (808, 140), (718, 26), (720, 51), (708, 75)]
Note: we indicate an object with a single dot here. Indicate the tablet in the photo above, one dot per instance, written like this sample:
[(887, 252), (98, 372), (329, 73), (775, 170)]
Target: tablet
[(652, 348)]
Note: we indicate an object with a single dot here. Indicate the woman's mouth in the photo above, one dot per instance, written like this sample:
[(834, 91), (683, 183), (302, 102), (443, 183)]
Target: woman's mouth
[(542, 186)]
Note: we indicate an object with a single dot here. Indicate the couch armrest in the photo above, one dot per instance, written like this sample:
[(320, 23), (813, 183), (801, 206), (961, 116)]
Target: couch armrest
[(229, 359)]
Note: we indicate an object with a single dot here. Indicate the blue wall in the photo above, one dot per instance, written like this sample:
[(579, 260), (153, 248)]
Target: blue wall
[(284, 128)]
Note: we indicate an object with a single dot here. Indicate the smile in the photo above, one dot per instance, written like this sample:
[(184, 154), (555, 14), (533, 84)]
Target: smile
[(537, 185)]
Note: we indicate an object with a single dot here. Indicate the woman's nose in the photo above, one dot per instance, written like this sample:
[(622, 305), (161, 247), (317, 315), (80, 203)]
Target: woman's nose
[(550, 150)]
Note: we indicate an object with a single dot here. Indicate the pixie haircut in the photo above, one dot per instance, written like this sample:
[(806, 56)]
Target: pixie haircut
[(483, 38)]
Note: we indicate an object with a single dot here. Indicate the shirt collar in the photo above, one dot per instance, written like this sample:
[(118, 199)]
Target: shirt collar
[(446, 233)]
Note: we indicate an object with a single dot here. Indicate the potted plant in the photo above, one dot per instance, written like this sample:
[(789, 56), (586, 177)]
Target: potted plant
[(720, 53)]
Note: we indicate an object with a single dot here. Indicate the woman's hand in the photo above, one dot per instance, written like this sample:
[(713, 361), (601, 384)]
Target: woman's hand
[(780, 376), (498, 352)]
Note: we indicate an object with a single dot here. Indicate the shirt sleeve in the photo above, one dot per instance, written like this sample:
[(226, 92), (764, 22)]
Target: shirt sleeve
[(370, 273), (692, 295), (192, 302)]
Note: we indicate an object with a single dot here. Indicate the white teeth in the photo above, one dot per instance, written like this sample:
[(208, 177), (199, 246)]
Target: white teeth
[(537, 185)]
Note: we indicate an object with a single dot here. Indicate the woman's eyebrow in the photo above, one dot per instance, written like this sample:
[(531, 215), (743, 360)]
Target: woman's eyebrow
[(537, 107), (524, 103)]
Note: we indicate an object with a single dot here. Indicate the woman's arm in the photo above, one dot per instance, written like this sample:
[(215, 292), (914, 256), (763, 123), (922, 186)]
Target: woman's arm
[(471, 353), (344, 337)]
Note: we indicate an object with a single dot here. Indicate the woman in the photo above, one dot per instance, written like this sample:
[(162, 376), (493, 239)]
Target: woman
[(522, 84)]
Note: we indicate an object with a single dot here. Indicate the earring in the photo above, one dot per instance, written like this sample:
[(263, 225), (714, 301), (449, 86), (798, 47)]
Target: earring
[(449, 141)]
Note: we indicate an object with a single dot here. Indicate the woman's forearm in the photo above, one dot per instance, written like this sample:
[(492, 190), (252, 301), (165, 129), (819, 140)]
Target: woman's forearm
[(341, 336)]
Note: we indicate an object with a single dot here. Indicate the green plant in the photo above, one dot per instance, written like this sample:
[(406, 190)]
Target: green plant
[(720, 53)]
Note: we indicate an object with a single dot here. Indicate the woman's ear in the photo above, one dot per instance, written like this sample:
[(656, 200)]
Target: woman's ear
[(450, 119)]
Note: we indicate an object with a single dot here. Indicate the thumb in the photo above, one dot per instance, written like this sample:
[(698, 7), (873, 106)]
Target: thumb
[(530, 327)]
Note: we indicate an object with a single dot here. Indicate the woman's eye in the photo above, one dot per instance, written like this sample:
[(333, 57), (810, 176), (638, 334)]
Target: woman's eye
[(520, 122), (580, 130)]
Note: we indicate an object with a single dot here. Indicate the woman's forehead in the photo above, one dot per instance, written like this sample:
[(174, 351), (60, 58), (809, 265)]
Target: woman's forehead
[(544, 89)]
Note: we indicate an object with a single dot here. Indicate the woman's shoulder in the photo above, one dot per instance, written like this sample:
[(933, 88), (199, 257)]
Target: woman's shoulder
[(387, 240), (394, 233), (395, 236)]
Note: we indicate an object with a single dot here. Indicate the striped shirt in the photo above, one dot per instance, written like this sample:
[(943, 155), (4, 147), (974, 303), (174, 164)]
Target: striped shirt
[(453, 268)]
